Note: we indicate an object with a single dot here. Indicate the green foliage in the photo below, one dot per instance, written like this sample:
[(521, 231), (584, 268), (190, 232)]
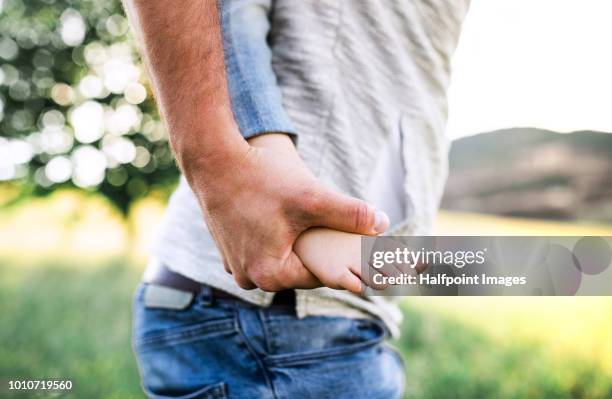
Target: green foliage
[(74, 105)]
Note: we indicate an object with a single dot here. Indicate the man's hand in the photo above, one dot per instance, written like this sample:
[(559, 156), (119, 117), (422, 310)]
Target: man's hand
[(263, 201)]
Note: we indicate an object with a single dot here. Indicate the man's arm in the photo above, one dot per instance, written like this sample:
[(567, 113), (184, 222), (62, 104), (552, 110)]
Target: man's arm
[(257, 199), (184, 54)]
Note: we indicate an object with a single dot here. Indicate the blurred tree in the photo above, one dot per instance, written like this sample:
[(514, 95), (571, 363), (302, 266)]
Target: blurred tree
[(75, 109)]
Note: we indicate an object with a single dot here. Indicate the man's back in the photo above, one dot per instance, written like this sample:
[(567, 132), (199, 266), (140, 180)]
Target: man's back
[(353, 74), (357, 78)]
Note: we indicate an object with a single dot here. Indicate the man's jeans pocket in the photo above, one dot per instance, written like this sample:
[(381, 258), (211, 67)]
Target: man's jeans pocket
[(158, 296), (214, 391), (299, 341), (168, 320), (172, 344), (334, 357)]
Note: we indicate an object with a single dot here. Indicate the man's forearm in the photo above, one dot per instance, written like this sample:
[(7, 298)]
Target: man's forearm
[(183, 49)]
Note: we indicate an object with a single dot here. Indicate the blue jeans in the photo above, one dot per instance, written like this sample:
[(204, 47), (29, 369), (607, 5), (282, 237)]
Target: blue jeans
[(228, 348)]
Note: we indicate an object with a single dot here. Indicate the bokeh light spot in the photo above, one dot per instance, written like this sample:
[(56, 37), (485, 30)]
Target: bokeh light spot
[(87, 120), (8, 49), (72, 27), (91, 86), (593, 255), (135, 93), (58, 169), (62, 94), (89, 166)]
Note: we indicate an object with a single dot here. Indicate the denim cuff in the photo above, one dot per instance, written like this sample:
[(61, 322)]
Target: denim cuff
[(261, 111), (254, 92)]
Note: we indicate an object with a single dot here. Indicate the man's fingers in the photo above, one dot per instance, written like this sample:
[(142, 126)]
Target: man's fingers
[(341, 212), (244, 282), (295, 275), (227, 266), (272, 276)]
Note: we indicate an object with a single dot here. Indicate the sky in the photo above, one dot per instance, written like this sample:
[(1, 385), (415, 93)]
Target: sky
[(536, 63)]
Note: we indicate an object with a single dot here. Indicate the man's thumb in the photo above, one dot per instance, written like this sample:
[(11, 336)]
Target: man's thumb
[(341, 212)]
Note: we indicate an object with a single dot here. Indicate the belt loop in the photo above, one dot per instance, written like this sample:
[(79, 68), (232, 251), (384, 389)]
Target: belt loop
[(206, 295)]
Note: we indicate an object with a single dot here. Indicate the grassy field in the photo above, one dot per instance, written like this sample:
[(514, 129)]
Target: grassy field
[(69, 320), (65, 312)]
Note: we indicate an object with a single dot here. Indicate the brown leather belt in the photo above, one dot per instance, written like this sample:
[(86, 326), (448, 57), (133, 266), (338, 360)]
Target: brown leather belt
[(159, 274)]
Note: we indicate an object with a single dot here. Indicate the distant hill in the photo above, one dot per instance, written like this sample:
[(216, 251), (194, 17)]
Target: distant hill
[(533, 173)]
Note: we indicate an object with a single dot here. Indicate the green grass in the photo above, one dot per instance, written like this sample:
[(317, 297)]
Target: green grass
[(447, 359), (73, 321)]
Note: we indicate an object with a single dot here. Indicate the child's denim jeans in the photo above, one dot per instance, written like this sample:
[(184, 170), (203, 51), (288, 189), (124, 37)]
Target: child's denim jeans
[(228, 348)]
